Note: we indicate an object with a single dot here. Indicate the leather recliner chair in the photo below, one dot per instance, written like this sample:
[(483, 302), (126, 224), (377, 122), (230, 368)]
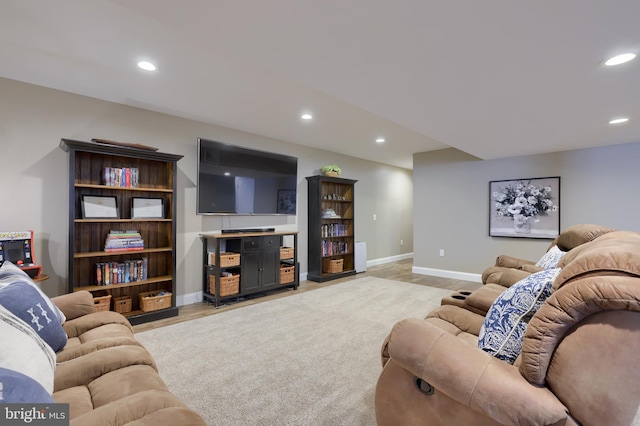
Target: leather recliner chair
[(577, 365)]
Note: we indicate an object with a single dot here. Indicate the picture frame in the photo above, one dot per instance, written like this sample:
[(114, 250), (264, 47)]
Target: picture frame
[(147, 208), (286, 201), (525, 208), (99, 207)]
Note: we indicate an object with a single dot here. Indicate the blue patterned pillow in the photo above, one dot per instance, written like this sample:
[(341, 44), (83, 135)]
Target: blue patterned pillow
[(504, 325)]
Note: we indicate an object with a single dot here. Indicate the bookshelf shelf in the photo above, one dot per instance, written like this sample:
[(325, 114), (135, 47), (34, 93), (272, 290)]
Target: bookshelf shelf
[(122, 188), (90, 254), (124, 285), (155, 177)]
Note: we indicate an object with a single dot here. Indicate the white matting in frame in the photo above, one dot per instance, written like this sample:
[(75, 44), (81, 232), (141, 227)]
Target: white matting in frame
[(98, 207), (147, 208)]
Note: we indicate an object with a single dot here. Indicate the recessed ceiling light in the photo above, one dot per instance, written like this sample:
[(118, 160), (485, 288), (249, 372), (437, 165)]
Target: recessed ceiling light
[(147, 66), (380, 140), (620, 59), (306, 116), (619, 120)]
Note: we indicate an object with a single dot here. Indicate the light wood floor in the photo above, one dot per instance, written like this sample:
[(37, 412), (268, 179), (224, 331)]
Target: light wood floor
[(399, 271)]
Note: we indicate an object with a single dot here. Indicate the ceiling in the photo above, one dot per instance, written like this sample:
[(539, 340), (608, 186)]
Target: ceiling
[(491, 78)]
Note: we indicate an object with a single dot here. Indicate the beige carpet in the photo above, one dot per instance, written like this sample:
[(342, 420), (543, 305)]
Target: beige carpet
[(312, 358)]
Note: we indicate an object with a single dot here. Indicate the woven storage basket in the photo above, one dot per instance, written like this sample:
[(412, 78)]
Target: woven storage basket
[(286, 252), (228, 285), (102, 303), (227, 259), (287, 274), (122, 304), (332, 266), (151, 301)]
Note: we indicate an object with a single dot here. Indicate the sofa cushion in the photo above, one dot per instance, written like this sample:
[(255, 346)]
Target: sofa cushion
[(24, 351), (551, 258), (24, 301), (19, 388), (577, 235), (503, 328), (11, 274)]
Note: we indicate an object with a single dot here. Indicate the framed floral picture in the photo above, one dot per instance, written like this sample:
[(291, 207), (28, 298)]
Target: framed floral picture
[(525, 208)]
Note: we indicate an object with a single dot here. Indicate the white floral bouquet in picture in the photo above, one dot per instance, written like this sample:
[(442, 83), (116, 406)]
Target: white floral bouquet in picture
[(523, 202)]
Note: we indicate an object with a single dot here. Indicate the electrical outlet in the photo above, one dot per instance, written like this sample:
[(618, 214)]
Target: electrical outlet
[(441, 252), (374, 216), (401, 242)]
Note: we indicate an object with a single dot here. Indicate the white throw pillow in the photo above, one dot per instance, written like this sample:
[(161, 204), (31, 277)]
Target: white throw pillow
[(22, 350), (551, 258)]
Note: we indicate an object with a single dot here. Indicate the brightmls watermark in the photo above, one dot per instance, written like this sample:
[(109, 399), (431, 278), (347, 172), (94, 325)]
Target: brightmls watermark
[(34, 414)]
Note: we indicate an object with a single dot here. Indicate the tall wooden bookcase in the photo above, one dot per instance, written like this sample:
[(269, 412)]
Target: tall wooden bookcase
[(331, 228), (155, 173)]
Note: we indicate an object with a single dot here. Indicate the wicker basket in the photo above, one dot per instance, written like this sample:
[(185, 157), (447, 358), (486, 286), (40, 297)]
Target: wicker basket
[(287, 274), (122, 304), (227, 259), (228, 285), (102, 303), (332, 266), (151, 301), (286, 252)]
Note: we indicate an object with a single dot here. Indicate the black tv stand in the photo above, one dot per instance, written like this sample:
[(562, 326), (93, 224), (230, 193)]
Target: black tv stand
[(247, 230)]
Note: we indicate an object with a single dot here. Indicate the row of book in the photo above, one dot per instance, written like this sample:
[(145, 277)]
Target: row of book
[(108, 273), (123, 241), (334, 230), (126, 177), (329, 248)]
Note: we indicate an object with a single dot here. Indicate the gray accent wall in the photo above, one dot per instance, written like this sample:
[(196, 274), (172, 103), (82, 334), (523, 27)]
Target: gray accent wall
[(451, 196), (34, 178)]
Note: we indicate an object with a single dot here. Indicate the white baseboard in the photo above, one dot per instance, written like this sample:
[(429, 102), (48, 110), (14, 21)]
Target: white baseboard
[(447, 274), (189, 299), (389, 259)]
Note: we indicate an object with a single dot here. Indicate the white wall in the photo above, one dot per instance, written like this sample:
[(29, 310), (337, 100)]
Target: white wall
[(598, 185), (34, 178)]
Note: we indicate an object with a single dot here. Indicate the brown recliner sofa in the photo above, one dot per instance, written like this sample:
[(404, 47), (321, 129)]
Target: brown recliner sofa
[(577, 365), (509, 269), (106, 376)]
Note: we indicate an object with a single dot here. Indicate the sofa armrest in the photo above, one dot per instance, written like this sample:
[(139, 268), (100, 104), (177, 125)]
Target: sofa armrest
[(532, 269), (471, 376), (512, 276), (507, 261), (74, 305)]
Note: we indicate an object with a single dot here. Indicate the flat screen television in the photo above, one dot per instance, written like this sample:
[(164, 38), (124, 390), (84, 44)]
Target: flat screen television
[(234, 180)]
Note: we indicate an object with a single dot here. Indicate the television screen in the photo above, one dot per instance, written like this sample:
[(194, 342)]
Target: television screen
[(243, 181)]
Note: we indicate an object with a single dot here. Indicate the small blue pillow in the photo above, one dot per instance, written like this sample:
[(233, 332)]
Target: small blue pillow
[(17, 388), (25, 302), (502, 331)]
